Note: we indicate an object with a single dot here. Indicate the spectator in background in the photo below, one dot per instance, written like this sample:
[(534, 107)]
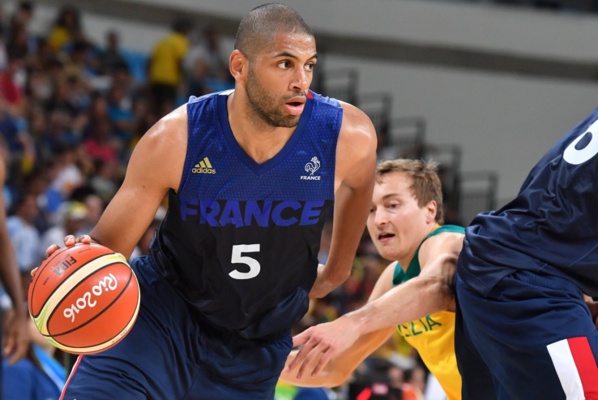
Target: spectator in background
[(166, 67), (23, 234), (72, 218), (68, 175), (67, 23), (207, 63), (12, 98), (95, 207), (111, 57)]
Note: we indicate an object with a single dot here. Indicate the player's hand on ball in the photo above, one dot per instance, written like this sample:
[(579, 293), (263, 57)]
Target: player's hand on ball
[(69, 241)]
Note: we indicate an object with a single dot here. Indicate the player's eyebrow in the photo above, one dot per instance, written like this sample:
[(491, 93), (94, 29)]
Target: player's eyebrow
[(389, 195), (290, 55)]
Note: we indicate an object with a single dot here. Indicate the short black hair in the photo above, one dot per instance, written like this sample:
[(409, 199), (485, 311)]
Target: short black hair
[(261, 24)]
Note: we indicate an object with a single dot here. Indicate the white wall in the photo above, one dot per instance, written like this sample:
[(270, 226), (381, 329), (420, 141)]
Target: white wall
[(504, 122)]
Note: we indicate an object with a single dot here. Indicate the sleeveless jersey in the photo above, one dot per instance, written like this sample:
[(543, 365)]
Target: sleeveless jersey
[(550, 227), (240, 240), (433, 336)]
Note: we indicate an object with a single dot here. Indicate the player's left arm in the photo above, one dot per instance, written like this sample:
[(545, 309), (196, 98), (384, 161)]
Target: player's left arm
[(354, 182)]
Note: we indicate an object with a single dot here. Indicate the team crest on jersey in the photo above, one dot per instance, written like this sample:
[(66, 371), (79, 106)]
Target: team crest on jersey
[(203, 167), (312, 166)]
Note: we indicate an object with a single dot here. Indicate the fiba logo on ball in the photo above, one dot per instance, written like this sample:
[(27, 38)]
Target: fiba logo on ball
[(84, 299)]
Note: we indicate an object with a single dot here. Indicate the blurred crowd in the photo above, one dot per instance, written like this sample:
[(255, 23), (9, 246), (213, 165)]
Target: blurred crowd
[(72, 108)]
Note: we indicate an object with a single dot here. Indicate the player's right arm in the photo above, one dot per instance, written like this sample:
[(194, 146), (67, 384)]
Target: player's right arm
[(431, 291), (340, 367), (155, 166)]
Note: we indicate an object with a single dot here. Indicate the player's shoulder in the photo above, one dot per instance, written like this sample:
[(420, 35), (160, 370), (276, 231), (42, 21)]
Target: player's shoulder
[(357, 128)]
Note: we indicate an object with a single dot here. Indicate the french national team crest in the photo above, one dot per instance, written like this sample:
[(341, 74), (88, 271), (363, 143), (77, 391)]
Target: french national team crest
[(312, 166)]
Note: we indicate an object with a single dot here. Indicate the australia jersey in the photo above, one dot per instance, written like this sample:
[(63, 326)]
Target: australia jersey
[(550, 227), (240, 240), (433, 336)]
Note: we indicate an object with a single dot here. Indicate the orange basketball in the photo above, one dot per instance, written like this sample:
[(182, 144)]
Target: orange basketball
[(84, 299)]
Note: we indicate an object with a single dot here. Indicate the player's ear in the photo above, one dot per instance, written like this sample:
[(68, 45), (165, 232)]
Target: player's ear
[(432, 209), (237, 64)]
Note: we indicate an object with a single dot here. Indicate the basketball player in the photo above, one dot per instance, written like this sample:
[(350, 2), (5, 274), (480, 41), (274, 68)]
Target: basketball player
[(15, 339), (521, 279), (415, 292), (250, 175)]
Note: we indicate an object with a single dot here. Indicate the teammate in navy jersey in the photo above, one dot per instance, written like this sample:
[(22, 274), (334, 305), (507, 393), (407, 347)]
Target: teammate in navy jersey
[(523, 325), (250, 175)]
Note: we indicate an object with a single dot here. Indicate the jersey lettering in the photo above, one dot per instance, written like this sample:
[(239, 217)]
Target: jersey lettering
[(252, 213), (589, 146)]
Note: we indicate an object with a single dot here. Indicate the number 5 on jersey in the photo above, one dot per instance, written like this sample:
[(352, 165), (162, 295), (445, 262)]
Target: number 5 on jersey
[(237, 257)]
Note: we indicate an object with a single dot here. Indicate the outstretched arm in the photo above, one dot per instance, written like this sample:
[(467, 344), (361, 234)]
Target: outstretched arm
[(423, 295), (354, 182), (342, 364)]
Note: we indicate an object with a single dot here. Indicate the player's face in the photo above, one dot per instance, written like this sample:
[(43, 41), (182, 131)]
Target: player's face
[(396, 223), (278, 80)]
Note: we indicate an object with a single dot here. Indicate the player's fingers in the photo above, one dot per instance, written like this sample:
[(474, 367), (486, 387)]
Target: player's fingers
[(322, 363), (310, 363), (69, 240), (301, 354), (33, 271), (300, 339), (51, 249), (85, 239)]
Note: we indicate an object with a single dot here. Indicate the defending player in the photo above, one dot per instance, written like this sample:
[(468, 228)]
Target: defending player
[(249, 175)]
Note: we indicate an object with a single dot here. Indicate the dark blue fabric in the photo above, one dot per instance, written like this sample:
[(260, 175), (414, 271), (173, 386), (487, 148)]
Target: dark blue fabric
[(502, 338), (550, 226)]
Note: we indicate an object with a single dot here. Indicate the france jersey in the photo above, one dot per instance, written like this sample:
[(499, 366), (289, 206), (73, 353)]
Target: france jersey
[(240, 239), (550, 227)]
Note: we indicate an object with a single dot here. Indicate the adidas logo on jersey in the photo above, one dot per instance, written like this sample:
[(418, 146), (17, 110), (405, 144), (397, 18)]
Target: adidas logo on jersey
[(204, 167)]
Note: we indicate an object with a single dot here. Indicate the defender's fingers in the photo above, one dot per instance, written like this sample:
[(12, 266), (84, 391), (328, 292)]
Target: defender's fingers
[(310, 363), (322, 363)]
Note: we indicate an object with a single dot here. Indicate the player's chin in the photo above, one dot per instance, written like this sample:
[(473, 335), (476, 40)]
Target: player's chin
[(290, 121)]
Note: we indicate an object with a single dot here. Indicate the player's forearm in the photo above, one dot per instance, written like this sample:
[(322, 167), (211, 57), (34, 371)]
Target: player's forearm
[(407, 302)]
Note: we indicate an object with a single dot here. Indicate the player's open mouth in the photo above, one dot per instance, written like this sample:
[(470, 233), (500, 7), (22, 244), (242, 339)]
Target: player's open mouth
[(385, 236), (294, 107)]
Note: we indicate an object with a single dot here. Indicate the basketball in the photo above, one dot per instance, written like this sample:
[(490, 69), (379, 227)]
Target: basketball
[(84, 299)]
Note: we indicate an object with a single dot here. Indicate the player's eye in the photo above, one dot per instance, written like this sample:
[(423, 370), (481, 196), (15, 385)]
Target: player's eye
[(284, 64), (310, 66)]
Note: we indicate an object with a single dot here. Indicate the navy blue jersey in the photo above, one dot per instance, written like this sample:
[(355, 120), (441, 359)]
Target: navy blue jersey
[(552, 224), (240, 239)]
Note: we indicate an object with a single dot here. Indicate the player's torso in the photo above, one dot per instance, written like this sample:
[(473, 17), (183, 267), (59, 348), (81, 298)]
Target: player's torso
[(433, 336), (240, 240), (550, 226)]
